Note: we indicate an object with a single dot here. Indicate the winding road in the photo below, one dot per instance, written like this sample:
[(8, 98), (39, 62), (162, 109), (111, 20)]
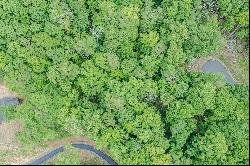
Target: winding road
[(81, 146)]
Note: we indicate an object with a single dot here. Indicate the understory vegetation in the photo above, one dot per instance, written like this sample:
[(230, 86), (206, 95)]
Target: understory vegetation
[(114, 70)]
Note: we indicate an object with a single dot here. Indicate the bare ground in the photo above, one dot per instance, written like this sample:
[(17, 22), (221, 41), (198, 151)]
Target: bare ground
[(9, 146), (8, 131), (5, 92)]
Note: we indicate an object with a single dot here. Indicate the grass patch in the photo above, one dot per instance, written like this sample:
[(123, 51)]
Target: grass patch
[(244, 67)]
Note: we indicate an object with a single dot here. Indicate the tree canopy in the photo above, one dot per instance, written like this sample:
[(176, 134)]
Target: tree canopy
[(114, 70)]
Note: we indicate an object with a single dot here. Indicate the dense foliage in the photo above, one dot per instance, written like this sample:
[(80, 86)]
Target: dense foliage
[(114, 70), (233, 16)]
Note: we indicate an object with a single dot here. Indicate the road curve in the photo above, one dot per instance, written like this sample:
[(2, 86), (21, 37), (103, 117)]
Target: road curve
[(78, 145), (217, 66)]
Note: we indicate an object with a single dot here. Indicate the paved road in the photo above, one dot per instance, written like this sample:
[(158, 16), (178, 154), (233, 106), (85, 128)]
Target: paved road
[(216, 66), (81, 146), (9, 101)]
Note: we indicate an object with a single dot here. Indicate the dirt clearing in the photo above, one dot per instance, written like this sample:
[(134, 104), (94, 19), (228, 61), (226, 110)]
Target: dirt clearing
[(5, 92)]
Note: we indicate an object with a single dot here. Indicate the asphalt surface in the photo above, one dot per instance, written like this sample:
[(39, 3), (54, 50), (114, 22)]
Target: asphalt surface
[(82, 146), (216, 66), (9, 101), (46, 157)]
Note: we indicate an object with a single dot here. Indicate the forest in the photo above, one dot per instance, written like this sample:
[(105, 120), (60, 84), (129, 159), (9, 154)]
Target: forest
[(115, 71)]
